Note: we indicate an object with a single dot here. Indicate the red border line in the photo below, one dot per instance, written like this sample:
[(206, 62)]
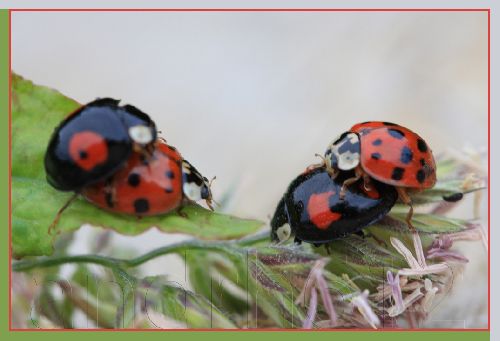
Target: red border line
[(250, 10), (246, 10)]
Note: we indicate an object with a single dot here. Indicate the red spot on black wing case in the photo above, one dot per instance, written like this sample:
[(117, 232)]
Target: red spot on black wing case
[(318, 208)]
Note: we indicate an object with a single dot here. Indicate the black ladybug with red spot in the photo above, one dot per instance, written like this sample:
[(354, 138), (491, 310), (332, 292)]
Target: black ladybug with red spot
[(95, 141), (313, 211)]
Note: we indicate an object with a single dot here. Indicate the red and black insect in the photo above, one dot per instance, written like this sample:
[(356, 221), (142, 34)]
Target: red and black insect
[(111, 155), (386, 152), (313, 211), (95, 141), (160, 185)]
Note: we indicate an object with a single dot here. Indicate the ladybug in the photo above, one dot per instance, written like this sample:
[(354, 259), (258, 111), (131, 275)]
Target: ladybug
[(95, 141), (155, 186), (313, 211), (385, 152)]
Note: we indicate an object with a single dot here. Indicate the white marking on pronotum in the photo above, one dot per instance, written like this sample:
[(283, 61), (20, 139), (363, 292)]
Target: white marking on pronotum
[(141, 134), (192, 191), (346, 160), (283, 232)]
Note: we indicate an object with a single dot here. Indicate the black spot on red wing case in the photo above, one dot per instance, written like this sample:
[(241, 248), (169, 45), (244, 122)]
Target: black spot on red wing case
[(396, 133), (357, 210), (134, 179), (169, 174), (141, 205), (420, 175), (397, 173), (406, 155), (421, 145)]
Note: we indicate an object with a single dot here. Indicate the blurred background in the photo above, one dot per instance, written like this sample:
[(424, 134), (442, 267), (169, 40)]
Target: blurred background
[(251, 97)]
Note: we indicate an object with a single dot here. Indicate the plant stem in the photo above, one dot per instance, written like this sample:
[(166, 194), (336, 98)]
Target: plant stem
[(225, 247), (58, 260)]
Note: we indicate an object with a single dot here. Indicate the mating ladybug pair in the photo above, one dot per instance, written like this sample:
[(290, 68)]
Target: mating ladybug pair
[(363, 173), (112, 156)]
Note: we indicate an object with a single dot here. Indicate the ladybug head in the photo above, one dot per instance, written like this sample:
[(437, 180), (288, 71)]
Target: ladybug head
[(195, 186), (344, 152), (281, 230)]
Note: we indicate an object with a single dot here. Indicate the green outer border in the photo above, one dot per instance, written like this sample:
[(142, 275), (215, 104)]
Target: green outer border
[(219, 336), (4, 164)]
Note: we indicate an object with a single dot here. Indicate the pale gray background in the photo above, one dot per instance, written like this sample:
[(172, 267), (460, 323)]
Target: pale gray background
[(250, 97)]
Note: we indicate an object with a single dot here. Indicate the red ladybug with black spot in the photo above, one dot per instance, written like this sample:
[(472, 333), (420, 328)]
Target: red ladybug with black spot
[(385, 152), (313, 211), (142, 188), (95, 141)]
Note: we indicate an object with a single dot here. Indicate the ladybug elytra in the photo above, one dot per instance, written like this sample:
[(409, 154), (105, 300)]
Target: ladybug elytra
[(313, 211), (94, 142)]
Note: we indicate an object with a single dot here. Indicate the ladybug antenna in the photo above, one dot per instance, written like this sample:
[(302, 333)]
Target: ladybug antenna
[(210, 199), (61, 210), (327, 165), (211, 180)]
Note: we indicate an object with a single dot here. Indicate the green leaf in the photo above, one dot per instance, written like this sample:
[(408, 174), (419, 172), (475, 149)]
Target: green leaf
[(207, 281), (182, 305), (36, 111)]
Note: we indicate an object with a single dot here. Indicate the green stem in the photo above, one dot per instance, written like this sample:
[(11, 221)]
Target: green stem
[(222, 247), (58, 260)]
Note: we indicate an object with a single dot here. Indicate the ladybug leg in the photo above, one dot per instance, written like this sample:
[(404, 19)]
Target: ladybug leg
[(327, 248), (405, 198), (209, 204), (323, 163), (109, 192), (358, 173), (179, 212), (61, 210), (364, 234), (367, 183)]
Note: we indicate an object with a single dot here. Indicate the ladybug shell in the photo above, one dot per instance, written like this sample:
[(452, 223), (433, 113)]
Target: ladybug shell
[(395, 155), (142, 188), (92, 143), (316, 214)]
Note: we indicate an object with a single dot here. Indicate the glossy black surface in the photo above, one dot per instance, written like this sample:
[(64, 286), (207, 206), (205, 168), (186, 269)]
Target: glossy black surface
[(358, 210), (104, 117)]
